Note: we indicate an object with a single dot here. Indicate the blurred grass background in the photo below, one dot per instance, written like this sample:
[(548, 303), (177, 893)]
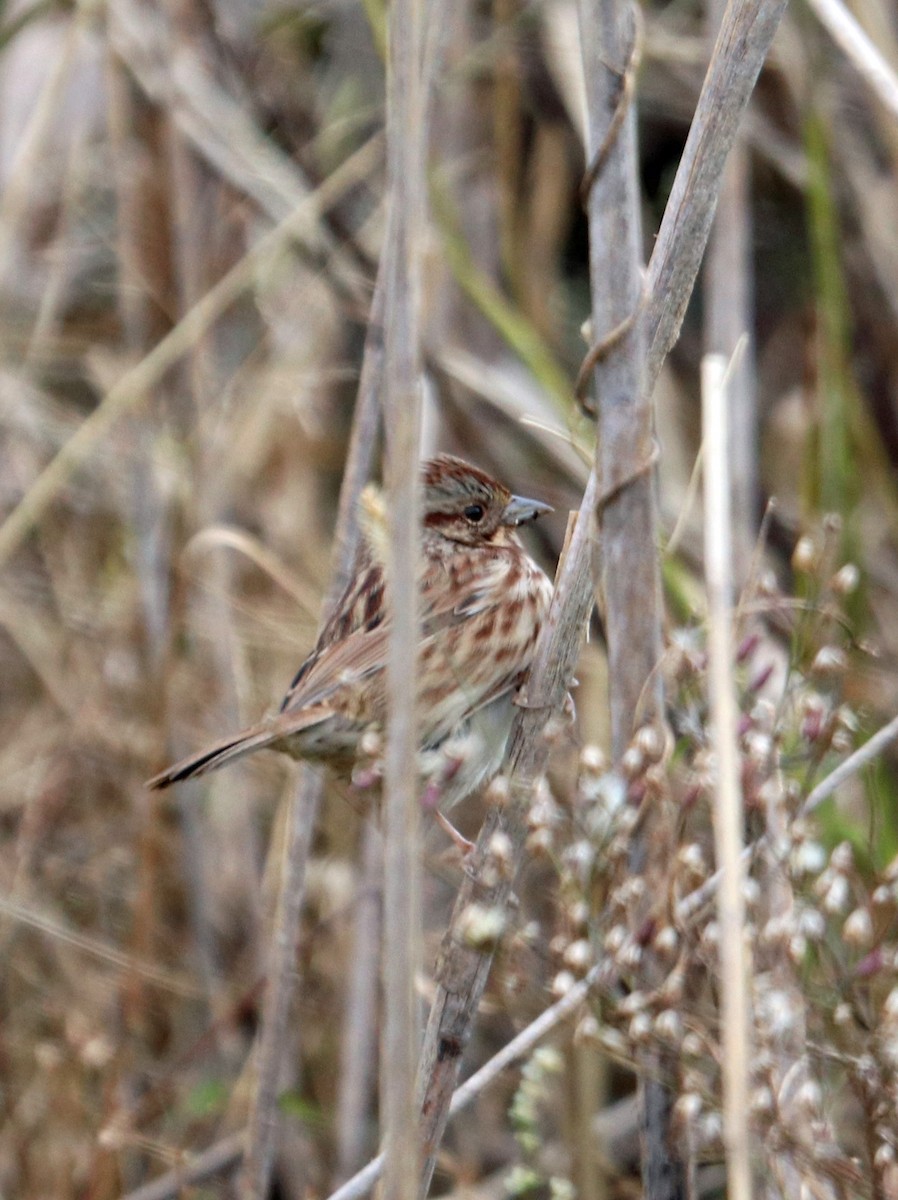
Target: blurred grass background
[(168, 583)]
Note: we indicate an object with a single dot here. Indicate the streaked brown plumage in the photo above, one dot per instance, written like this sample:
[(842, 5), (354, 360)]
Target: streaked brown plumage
[(483, 600)]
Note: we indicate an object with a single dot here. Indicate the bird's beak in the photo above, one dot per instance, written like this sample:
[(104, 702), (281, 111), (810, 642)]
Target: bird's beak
[(519, 510)]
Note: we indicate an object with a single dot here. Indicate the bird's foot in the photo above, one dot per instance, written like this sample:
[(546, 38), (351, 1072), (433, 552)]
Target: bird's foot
[(461, 842)]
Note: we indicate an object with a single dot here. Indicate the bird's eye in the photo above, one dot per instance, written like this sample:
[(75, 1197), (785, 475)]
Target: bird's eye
[(474, 513)]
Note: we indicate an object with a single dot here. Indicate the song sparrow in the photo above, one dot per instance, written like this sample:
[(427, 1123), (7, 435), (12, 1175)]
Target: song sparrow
[(483, 600)]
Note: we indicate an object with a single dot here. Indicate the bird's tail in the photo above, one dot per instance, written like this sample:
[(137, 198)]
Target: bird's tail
[(216, 756)]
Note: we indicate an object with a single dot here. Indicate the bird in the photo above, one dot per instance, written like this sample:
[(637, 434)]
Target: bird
[(483, 601)]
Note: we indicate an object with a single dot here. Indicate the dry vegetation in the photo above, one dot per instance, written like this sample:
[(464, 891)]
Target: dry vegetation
[(196, 348)]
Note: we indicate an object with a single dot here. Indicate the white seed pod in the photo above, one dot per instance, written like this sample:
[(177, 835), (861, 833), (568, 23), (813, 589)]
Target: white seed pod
[(693, 1046), (632, 762), (672, 989), (669, 1026), (498, 793), (539, 842), (798, 948), (711, 1128), (562, 984), (651, 742), (692, 858), (481, 926), (372, 743), (829, 660), (846, 580), (804, 556), (837, 895), (588, 1030), (842, 1015), (890, 1007), (666, 941), (640, 1029), (615, 938), (634, 1003), (688, 1108), (501, 849), (858, 929), (593, 760), (884, 1156), (579, 956), (751, 891), (842, 857), (761, 1102), (811, 923), (807, 858)]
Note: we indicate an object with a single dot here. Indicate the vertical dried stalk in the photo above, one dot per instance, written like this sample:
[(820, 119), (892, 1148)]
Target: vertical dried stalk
[(255, 1174), (630, 582), (357, 1060), (402, 933), (728, 317), (728, 815)]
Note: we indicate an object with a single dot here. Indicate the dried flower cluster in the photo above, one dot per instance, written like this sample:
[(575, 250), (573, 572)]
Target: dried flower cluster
[(821, 898)]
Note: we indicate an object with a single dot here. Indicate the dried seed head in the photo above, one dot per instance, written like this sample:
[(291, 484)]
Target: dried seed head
[(804, 556), (652, 742), (688, 1108), (692, 858), (858, 929), (632, 762), (562, 984), (807, 858), (842, 1015), (693, 1046), (593, 760), (761, 1102), (481, 926), (578, 956), (499, 792), (669, 1026), (836, 897), (666, 941), (846, 580), (829, 660), (640, 1029)]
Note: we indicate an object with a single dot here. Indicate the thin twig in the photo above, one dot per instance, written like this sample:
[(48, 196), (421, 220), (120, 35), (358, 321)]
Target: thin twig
[(221, 1157), (406, 173), (728, 814), (855, 762)]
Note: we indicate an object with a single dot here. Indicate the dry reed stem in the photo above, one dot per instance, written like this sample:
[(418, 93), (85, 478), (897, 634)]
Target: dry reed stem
[(728, 291), (137, 382), (357, 1042), (401, 950), (262, 1124), (728, 809), (745, 37), (630, 585)]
